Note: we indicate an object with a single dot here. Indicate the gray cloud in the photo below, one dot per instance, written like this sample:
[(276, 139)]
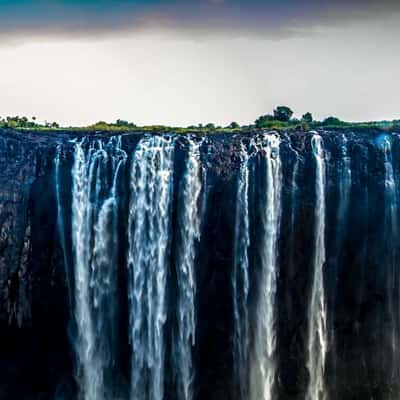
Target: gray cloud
[(273, 19)]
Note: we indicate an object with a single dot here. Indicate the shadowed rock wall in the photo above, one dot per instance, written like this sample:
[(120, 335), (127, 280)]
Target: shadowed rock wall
[(361, 278)]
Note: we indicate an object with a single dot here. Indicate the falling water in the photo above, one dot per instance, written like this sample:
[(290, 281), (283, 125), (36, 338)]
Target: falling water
[(60, 219), (317, 341), (391, 235), (344, 177), (264, 363), (94, 239), (344, 185), (188, 235), (344, 188), (390, 189), (293, 194), (240, 277), (158, 306), (149, 233)]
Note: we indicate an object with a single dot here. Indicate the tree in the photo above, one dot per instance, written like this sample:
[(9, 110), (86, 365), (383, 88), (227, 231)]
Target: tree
[(234, 125), (125, 124), (263, 120), (210, 126), (307, 117), (100, 126), (12, 123), (121, 122), (332, 121), (283, 113)]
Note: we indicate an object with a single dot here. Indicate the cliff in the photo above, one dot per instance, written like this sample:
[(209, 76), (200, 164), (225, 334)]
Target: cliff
[(39, 326)]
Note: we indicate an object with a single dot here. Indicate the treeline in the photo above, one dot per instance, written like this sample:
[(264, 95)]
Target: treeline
[(282, 117), (18, 122), (26, 123), (119, 124)]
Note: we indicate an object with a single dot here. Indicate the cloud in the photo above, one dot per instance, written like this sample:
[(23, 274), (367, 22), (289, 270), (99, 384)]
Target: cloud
[(275, 19)]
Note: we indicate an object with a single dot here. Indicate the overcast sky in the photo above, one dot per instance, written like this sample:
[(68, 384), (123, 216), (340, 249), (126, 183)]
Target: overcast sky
[(185, 62)]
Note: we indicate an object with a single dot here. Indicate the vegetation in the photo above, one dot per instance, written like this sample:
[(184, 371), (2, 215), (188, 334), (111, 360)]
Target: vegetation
[(283, 113), (118, 125), (24, 122), (308, 118), (280, 119), (234, 125), (332, 121)]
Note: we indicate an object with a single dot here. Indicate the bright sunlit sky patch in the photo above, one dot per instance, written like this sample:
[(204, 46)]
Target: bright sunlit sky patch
[(186, 62)]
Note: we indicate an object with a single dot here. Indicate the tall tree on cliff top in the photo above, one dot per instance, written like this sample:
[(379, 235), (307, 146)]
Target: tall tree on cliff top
[(283, 113)]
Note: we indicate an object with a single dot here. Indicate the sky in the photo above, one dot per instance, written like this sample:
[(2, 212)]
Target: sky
[(185, 62)]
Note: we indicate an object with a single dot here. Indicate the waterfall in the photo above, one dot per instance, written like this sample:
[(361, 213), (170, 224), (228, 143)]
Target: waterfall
[(294, 189), (317, 340), (189, 222), (175, 299), (391, 235), (344, 182), (60, 221), (149, 236), (344, 185), (264, 363), (240, 278), (293, 193), (94, 239), (390, 184)]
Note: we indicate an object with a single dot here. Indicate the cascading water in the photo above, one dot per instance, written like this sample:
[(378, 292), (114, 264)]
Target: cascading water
[(263, 369), (391, 237), (293, 194), (94, 238), (344, 182), (60, 220), (148, 263), (317, 338), (164, 307), (240, 278), (188, 235)]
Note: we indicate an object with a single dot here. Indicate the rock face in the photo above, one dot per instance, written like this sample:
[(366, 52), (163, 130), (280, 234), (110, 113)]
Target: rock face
[(331, 304), (32, 308)]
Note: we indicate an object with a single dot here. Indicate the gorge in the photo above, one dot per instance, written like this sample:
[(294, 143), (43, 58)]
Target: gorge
[(249, 266)]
